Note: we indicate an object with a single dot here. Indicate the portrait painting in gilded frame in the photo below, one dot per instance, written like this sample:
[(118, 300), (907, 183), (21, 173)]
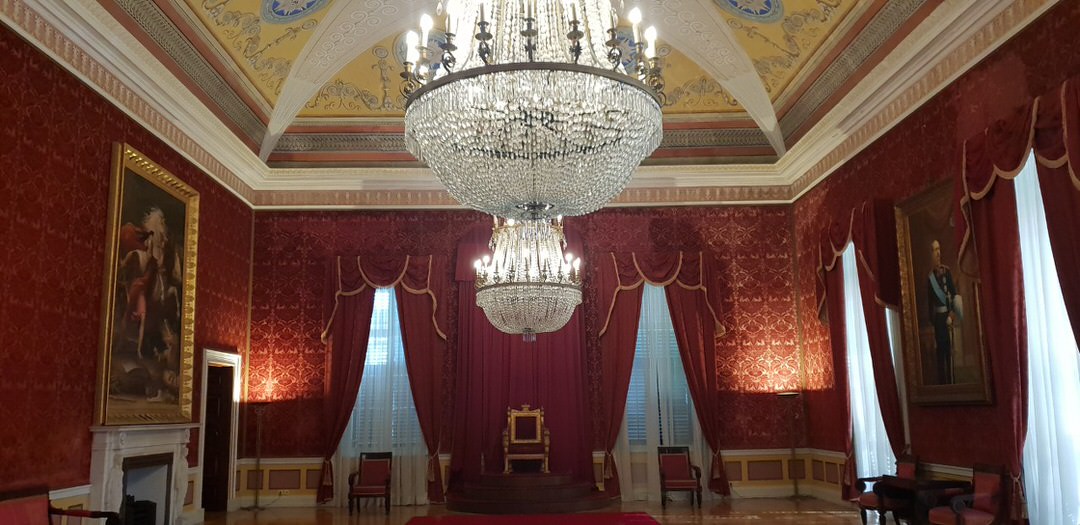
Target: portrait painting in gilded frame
[(942, 330), (148, 307)]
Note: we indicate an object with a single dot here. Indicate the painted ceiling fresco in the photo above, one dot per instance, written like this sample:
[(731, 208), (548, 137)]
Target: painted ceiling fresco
[(792, 45)]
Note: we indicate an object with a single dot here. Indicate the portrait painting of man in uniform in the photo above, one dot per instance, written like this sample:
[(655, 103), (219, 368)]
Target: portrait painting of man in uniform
[(148, 311), (942, 334)]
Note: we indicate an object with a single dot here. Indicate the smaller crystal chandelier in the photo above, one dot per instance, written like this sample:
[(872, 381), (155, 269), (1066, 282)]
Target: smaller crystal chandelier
[(528, 286)]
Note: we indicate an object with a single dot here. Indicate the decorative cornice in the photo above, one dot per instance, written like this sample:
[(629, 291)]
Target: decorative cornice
[(79, 50), (952, 47), (153, 21), (85, 39), (881, 28)]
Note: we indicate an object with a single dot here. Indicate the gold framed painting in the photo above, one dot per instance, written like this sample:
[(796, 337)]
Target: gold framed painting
[(942, 331), (147, 342)]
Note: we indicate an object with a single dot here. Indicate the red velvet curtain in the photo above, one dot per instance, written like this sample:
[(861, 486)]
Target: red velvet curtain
[(872, 228), (1057, 144), (693, 304), (874, 235), (832, 288), (990, 233), (618, 339), (497, 370), (354, 280)]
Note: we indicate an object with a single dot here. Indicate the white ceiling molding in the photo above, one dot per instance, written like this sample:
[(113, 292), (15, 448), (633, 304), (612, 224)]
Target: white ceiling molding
[(82, 37), (698, 30), (348, 29)]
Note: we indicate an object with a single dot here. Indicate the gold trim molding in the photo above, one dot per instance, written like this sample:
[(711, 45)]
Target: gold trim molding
[(817, 155)]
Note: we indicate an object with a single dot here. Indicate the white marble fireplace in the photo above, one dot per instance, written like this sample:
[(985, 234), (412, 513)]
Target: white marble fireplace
[(112, 445)]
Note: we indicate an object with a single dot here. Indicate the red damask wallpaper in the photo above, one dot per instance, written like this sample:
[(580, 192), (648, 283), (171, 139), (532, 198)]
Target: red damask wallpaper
[(921, 150), (56, 140), (289, 289)]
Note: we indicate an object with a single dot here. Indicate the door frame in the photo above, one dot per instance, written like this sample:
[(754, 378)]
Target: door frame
[(227, 359)]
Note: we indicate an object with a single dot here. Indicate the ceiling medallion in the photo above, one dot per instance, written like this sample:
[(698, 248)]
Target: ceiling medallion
[(534, 112), (528, 285), (285, 11), (764, 11)]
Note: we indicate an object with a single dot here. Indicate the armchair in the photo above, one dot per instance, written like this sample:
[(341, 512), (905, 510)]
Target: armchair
[(32, 507), (984, 504), (372, 480), (525, 438), (907, 467), (677, 473)]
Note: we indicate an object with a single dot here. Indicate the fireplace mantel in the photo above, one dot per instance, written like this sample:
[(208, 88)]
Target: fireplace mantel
[(112, 444)]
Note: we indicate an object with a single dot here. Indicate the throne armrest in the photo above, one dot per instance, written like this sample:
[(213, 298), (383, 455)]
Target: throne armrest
[(697, 471), (352, 479)]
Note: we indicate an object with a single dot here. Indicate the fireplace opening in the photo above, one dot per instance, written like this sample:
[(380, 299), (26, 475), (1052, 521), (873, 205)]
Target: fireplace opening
[(146, 479)]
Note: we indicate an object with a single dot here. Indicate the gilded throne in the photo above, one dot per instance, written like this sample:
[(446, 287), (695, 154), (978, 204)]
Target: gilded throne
[(525, 438)]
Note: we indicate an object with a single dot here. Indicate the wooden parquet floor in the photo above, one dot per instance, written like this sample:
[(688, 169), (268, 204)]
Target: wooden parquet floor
[(751, 511)]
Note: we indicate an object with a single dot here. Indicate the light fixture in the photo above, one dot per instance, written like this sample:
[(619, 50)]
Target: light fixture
[(528, 285), (545, 114)]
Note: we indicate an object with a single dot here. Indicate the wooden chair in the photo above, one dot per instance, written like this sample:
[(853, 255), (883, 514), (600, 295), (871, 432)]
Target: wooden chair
[(984, 504), (677, 473), (372, 480), (525, 438), (31, 507), (907, 467)]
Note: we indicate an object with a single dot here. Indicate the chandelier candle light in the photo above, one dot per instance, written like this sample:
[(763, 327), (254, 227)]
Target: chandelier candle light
[(528, 286), (540, 112)]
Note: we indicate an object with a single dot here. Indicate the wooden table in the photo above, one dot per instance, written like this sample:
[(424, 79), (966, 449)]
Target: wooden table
[(920, 493)]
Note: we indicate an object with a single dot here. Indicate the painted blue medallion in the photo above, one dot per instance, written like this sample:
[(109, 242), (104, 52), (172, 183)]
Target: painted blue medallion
[(285, 11), (756, 10)]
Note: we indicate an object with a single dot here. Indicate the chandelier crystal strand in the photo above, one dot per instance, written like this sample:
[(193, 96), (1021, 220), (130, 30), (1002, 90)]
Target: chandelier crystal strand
[(528, 285), (527, 117)]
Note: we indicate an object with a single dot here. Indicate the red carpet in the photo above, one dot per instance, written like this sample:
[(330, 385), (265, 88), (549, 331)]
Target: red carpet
[(633, 518)]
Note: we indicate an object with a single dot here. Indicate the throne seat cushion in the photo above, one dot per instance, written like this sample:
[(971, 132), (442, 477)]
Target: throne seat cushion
[(527, 448), (368, 490), (673, 484)]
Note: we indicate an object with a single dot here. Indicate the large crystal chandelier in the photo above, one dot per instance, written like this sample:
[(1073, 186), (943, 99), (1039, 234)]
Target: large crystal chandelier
[(532, 108), (528, 286)]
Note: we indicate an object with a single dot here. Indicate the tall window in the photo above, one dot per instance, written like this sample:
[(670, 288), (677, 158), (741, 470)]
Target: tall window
[(1052, 446), (659, 411), (873, 455), (384, 418)]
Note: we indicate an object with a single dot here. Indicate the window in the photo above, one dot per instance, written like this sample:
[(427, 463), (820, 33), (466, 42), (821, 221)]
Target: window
[(659, 410), (1052, 446), (873, 454), (384, 418), (658, 365)]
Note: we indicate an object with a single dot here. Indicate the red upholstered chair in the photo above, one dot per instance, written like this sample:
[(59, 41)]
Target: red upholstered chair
[(677, 473), (907, 467), (372, 480), (525, 438), (984, 505), (31, 507)]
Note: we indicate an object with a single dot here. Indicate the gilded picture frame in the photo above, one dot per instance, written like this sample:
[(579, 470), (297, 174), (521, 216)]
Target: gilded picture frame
[(942, 334), (147, 344)]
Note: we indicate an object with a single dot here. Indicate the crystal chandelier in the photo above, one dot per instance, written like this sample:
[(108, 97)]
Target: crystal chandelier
[(528, 286), (538, 110)]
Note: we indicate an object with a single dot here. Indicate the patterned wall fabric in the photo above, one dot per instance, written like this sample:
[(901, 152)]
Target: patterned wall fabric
[(56, 140), (921, 150), (753, 245)]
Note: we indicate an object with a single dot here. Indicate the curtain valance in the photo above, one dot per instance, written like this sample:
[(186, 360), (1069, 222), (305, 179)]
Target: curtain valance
[(629, 271), (417, 275)]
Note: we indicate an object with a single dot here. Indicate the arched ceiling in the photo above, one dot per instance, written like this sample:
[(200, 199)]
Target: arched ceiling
[(746, 80), (322, 75)]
